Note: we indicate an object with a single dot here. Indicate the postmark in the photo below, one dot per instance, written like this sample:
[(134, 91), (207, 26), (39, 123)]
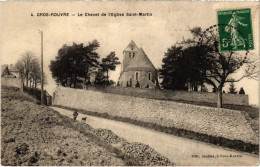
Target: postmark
[(237, 34), (210, 37)]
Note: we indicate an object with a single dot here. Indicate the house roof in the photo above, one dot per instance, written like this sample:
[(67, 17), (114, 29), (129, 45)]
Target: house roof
[(3, 67), (9, 76), (12, 68), (4, 70), (140, 62)]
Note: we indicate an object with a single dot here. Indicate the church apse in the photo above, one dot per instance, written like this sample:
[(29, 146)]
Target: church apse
[(137, 69)]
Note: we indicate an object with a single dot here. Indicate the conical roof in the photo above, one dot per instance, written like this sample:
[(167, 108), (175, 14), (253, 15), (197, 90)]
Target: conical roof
[(140, 63)]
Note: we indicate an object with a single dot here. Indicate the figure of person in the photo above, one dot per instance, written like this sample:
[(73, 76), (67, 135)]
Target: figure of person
[(75, 114), (232, 27)]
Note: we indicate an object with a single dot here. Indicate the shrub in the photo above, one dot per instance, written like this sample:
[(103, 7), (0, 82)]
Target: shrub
[(241, 91)]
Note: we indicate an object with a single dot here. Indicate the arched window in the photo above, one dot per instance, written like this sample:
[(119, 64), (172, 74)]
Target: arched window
[(133, 54), (150, 76), (130, 54), (136, 75), (132, 47)]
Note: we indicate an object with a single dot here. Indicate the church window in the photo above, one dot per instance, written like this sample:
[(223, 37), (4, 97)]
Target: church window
[(136, 75), (133, 54), (130, 54), (149, 76), (132, 47)]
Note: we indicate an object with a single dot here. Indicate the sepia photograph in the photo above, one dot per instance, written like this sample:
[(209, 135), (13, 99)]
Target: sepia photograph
[(130, 83)]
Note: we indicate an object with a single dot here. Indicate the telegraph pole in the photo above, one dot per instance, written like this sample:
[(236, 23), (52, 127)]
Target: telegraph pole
[(42, 92)]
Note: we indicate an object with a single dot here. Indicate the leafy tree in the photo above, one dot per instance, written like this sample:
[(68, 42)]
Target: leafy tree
[(109, 63), (192, 63), (241, 91), (182, 65), (73, 62), (100, 78), (232, 88), (172, 69), (91, 58)]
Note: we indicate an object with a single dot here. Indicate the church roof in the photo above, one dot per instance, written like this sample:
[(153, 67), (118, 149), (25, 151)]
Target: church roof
[(131, 47), (140, 62), (144, 81)]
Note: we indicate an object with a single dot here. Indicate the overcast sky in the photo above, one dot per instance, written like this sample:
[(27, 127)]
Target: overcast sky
[(169, 23)]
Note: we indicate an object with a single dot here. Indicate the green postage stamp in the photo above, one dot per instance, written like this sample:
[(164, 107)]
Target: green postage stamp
[(235, 30)]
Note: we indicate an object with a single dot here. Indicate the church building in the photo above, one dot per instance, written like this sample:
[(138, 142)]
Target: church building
[(137, 69)]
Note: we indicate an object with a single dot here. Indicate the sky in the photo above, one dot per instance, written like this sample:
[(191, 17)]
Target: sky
[(170, 23)]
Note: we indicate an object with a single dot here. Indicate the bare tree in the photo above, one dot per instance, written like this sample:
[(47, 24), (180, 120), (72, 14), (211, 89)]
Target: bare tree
[(35, 73), (218, 67), (24, 65), (29, 68), (215, 67)]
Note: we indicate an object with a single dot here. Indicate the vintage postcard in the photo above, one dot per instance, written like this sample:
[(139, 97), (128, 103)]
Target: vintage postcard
[(129, 83)]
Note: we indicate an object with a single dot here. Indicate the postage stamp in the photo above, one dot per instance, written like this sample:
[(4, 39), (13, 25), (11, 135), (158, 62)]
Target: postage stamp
[(237, 35)]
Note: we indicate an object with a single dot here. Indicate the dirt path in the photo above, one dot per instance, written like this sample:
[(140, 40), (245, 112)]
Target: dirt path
[(35, 135), (180, 150)]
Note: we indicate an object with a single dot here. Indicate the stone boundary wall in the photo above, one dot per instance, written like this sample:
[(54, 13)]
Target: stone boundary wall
[(13, 82), (206, 97), (224, 123)]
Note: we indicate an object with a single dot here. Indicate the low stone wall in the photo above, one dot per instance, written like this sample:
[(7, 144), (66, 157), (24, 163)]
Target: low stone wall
[(224, 123), (206, 97), (13, 82)]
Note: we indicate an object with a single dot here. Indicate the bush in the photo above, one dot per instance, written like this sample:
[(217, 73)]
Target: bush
[(241, 91), (35, 93)]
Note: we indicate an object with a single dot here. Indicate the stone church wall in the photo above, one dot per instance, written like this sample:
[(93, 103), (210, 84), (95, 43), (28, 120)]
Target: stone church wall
[(229, 124), (132, 74), (203, 97)]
